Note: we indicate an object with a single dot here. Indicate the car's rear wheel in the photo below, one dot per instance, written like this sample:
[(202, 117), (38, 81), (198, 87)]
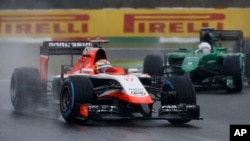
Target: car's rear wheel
[(184, 94), (25, 89), (76, 90), (234, 71), (247, 60)]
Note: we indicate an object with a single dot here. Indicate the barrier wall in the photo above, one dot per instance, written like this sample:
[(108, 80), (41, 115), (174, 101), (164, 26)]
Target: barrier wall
[(119, 23)]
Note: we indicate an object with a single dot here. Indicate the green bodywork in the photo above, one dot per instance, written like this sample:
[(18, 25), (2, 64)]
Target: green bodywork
[(191, 61), (202, 67), (223, 67)]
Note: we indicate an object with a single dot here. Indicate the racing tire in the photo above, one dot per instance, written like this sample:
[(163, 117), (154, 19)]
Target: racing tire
[(76, 90), (153, 65), (233, 70), (247, 60), (184, 94), (25, 89)]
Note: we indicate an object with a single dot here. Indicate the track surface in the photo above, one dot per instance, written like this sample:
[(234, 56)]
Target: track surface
[(218, 109)]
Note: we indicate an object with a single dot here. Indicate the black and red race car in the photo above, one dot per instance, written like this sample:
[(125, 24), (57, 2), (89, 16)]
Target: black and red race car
[(84, 94)]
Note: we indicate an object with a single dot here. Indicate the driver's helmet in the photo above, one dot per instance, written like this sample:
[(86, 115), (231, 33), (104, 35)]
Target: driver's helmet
[(102, 65), (204, 47)]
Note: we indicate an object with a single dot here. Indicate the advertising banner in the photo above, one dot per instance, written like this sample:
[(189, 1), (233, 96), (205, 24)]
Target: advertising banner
[(120, 22)]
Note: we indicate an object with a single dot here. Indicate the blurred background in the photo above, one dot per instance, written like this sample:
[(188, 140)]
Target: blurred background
[(130, 25)]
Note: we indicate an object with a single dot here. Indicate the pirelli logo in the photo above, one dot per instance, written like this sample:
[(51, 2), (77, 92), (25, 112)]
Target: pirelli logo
[(171, 23), (44, 24)]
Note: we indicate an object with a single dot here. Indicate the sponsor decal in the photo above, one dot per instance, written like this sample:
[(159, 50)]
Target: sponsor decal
[(44, 24), (189, 63), (71, 44), (171, 22), (138, 93)]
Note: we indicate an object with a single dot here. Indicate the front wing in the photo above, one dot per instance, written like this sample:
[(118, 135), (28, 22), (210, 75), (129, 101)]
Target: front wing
[(166, 112)]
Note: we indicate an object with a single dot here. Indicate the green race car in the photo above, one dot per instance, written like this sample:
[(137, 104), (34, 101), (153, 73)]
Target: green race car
[(221, 61)]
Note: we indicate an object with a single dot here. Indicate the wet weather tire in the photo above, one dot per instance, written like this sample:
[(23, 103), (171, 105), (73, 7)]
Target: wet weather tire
[(25, 89), (247, 60), (76, 90), (234, 71), (184, 94), (153, 65)]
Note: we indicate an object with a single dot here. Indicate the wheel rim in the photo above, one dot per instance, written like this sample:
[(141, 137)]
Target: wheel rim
[(66, 100)]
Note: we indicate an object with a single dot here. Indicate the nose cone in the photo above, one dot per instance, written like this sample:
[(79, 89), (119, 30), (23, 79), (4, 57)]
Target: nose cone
[(190, 63)]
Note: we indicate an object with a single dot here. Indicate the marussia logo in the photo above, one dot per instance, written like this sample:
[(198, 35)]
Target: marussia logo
[(44, 24), (172, 23), (65, 44)]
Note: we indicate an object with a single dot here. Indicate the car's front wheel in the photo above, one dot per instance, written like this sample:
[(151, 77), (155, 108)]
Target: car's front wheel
[(76, 90), (184, 94)]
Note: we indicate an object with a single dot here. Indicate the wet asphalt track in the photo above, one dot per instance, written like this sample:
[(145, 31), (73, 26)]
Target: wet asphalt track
[(218, 109)]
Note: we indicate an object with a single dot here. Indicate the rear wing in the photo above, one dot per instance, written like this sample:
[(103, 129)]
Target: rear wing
[(211, 35), (63, 48), (68, 47)]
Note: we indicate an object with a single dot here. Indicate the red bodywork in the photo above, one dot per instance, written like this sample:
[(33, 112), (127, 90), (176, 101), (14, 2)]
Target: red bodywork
[(87, 61)]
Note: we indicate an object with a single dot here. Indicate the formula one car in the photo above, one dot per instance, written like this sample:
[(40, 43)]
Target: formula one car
[(212, 65), (86, 94)]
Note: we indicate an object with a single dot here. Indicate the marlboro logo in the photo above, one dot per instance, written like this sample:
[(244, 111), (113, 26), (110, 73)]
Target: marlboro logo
[(44, 24), (171, 23)]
